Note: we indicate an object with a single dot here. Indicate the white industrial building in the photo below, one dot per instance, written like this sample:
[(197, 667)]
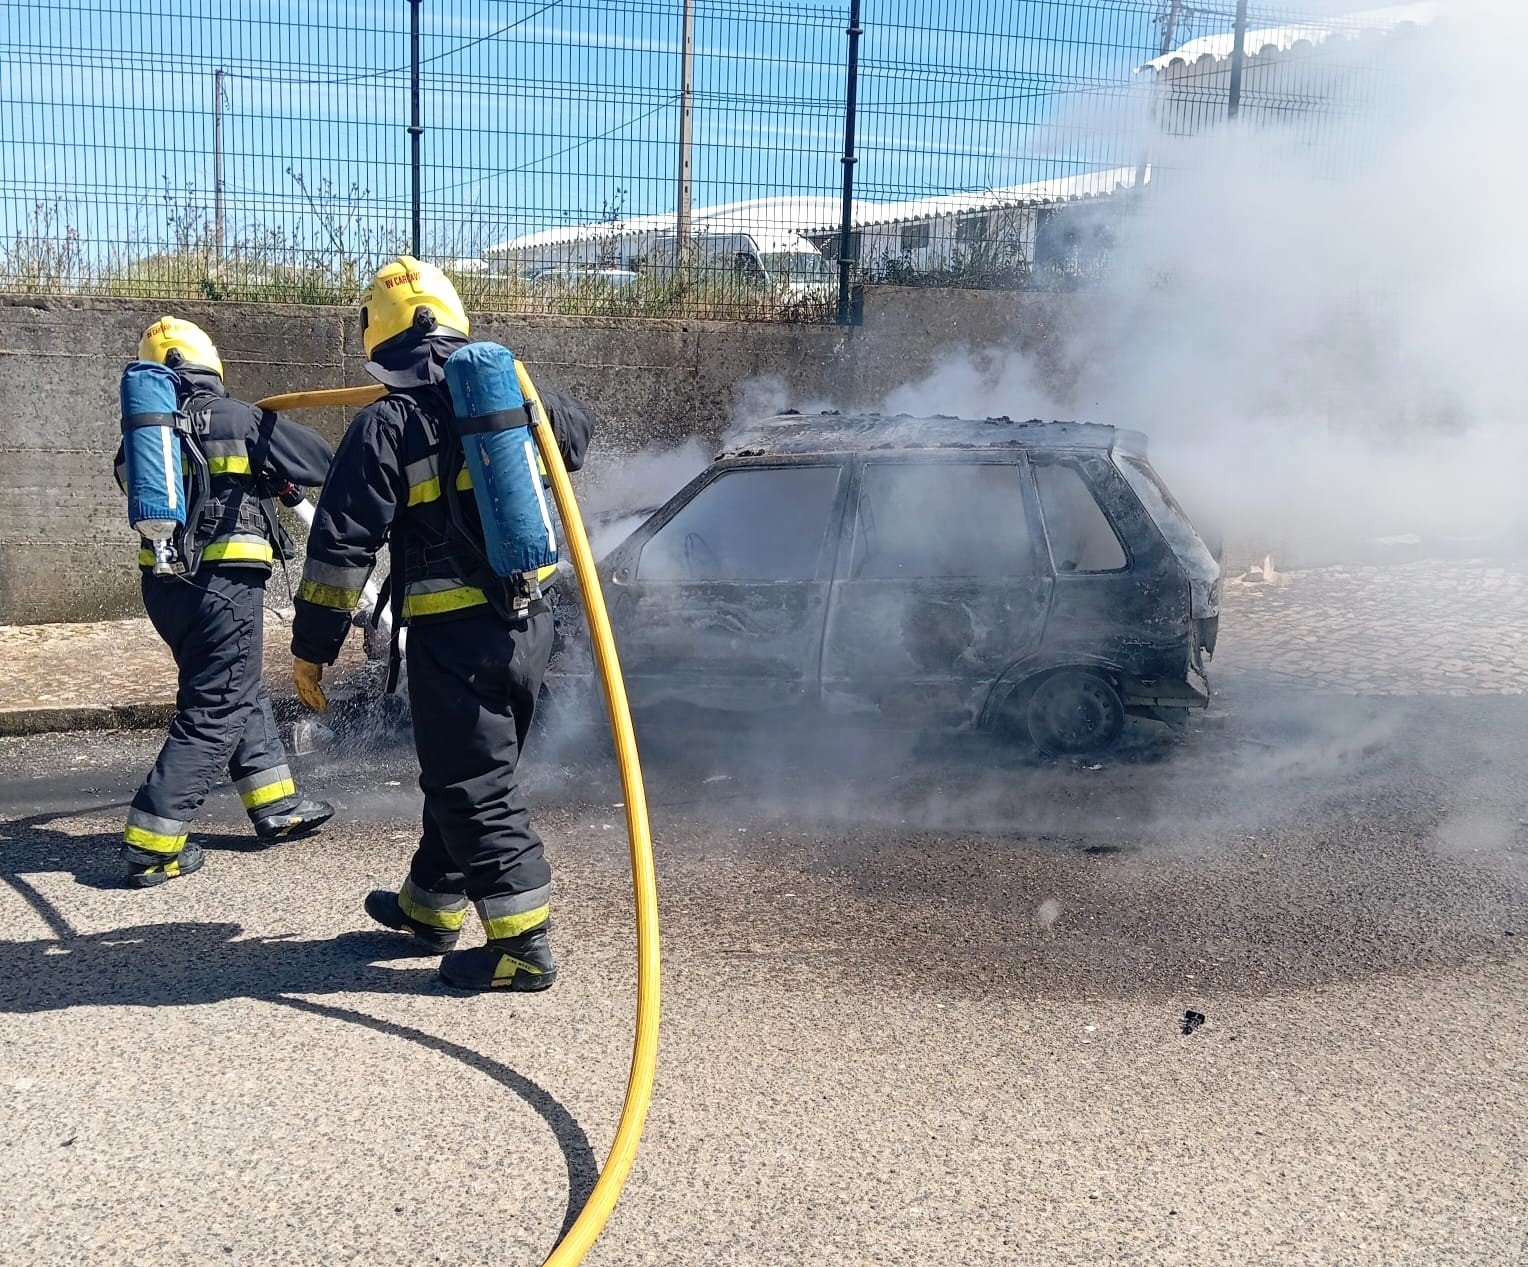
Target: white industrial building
[(1299, 73), (923, 235)]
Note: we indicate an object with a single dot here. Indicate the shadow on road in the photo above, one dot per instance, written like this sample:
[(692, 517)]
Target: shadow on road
[(186, 963)]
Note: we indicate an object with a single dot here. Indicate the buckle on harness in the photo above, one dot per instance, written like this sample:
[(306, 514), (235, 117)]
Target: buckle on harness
[(524, 590)]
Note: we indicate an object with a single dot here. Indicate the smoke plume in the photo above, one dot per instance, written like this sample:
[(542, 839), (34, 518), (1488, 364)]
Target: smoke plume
[(1322, 339)]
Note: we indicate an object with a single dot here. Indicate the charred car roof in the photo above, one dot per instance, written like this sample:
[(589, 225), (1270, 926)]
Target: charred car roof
[(795, 433)]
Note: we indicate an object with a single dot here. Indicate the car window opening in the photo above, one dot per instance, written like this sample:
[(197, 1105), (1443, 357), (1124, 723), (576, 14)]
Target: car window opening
[(1081, 536), (941, 519), (764, 524)]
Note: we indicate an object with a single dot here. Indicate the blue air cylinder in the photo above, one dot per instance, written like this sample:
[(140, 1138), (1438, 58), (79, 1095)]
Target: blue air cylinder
[(156, 497), (494, 427)]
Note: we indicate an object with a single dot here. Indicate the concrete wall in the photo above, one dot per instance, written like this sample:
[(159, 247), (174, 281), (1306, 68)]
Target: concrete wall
[(66, 552)]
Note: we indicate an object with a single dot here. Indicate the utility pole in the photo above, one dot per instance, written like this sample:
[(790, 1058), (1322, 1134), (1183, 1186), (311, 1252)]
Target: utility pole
[(1169, 20), (846, 247), (686, 126), (416, 129), (1170, 26), (217, 160), (1238, 56)]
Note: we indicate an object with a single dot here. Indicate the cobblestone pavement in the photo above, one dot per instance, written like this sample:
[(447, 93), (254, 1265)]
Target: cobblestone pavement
[(115, 663), (1421, 628)]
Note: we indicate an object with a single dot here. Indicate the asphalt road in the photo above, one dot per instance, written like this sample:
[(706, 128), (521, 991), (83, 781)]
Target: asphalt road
[(923, 1004)]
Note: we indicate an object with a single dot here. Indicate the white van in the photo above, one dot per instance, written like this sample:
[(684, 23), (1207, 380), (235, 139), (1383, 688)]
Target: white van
[(779, 259)]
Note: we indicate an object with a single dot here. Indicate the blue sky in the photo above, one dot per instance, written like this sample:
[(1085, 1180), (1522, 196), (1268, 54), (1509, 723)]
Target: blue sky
[(541, 113)]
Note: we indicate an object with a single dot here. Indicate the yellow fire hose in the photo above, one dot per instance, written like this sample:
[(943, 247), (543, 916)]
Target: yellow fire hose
[(322, 398), (644, 1056)]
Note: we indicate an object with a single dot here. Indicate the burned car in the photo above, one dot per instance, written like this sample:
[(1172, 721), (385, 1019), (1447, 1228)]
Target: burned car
[(1034, 576)]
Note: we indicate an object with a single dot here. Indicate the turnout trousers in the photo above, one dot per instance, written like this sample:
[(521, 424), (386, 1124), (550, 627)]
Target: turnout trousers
[(473, 683), (215, 627)]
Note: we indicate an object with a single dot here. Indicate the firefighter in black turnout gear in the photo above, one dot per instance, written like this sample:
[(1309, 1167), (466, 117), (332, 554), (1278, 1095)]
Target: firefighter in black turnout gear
[(477, 646), (213, 617)]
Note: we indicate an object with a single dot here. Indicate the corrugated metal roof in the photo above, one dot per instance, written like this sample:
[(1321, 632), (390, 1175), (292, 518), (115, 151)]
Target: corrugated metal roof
[(789, 217), (1267, 40)]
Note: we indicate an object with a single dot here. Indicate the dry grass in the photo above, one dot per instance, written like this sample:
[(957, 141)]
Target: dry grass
[(49, 258)]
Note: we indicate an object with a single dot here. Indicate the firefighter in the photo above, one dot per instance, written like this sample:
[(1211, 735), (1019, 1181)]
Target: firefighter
[(214, 618), (477, 647)]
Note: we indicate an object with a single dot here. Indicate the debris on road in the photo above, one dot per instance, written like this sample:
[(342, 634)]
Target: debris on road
[(1192, 1020)]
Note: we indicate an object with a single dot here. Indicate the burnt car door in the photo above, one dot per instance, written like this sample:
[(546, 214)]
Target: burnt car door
[(1120, 596), (719, 600), (941, 588)]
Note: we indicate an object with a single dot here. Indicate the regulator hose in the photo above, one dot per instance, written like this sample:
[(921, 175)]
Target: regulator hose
[(644, 1055)]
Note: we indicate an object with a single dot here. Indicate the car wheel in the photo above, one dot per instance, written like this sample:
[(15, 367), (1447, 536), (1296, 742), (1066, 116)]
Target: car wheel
[(1074, 711)]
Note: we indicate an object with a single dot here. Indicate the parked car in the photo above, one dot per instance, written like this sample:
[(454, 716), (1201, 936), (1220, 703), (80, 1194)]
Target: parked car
[(1028, 576), (578, 274)]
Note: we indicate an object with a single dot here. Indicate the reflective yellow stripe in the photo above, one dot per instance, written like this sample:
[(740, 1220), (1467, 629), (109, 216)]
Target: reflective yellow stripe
[(507, 968), (432, 604), (421, 914), (229, 551), (502, 926), (239, 551), (427, 491), (328, 596), (271, 792), (546, 573), (142, 838), (228, 466)]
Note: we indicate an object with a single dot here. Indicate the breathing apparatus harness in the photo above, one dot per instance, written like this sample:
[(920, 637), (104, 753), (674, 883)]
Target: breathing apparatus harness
[(514, 599), (168, 477)]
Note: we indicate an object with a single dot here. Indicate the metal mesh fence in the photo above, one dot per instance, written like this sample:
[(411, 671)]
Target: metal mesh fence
[(623, 158)]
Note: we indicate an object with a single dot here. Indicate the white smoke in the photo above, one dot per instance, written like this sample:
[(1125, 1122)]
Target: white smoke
[(1325, 346)]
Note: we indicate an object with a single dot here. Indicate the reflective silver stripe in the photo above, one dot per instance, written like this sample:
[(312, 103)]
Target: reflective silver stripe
[(514, 903), (159, 826), (223, 448), (546, 518), (335, 577), (422, 470), (276, 774), (437, 586), (409, 891), (171, 475)]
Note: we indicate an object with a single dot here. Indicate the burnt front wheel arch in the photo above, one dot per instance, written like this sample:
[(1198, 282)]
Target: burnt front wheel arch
[(1069, 711)]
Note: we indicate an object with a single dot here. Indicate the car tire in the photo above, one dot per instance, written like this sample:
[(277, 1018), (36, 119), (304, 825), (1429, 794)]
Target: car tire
[(1073, 712)]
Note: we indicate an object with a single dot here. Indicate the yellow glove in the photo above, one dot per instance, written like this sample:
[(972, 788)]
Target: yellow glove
[(307, 676)]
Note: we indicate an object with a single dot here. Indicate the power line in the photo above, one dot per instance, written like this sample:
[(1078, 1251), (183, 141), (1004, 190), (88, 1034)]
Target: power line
[(568, 149), (394, 70)]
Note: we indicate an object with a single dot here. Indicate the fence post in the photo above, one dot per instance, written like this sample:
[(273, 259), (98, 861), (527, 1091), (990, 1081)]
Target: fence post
[(217, 160), (686, 107), (416, 130), (846, 247), (1238, 56)]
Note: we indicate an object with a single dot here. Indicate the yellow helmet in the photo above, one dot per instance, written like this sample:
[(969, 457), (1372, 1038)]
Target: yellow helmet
[(396, 296), (174, 341)]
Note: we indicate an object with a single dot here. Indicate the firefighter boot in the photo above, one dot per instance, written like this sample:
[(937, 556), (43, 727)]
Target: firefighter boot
[(143, 875), (288, 824), (434, 919), (521, 964)]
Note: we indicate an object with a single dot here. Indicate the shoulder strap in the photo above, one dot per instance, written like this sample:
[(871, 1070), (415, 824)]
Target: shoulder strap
[(198, 410)]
